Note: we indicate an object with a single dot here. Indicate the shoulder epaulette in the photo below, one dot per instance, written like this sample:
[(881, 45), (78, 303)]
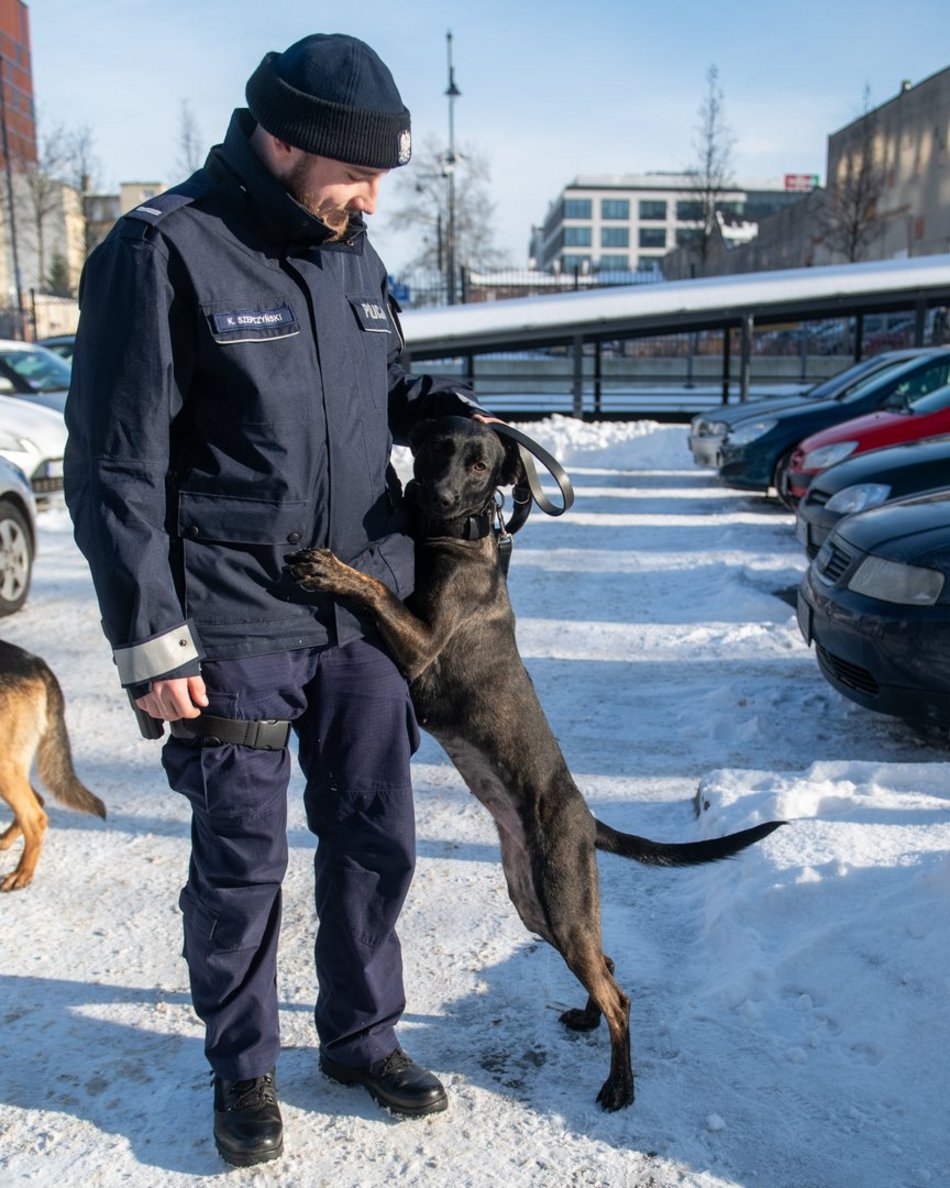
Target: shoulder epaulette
[(162, 205)]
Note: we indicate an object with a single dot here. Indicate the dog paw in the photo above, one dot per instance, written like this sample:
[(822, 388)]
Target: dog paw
[(614, 1096), (581, 1019), (316, 569)]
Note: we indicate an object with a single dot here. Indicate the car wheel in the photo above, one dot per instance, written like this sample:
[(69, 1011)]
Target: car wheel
[(777, 474), (16, 558)]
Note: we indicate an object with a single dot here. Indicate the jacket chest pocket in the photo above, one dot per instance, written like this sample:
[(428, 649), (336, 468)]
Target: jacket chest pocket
[(376, 337)]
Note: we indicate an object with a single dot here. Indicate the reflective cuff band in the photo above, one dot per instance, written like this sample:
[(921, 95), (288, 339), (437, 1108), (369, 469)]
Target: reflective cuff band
[(145, 661)]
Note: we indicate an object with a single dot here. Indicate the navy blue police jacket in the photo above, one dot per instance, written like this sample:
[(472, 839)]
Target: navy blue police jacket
[(236, 391)]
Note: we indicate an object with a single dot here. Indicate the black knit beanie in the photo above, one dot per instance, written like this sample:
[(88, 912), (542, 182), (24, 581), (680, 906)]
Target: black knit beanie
[(331, 95)]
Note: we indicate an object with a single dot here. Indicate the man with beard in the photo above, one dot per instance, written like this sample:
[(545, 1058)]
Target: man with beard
[(237, 387)]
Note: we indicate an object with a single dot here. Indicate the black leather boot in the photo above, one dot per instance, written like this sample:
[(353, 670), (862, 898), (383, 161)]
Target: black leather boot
[(247, 1124), (396, 1083)]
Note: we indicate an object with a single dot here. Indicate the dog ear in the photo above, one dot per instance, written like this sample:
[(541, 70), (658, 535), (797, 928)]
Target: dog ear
[(419, 432), (512, 472)]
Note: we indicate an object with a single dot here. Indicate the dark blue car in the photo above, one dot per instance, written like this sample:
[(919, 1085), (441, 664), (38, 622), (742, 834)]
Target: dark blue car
[(755, 449), (876, 604), (867, 481), (709, 428)]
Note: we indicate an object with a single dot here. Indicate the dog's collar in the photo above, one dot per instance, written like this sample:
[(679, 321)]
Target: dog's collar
[(457, 527)]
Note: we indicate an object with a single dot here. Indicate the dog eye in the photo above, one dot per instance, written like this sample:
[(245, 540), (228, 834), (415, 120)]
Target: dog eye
[(479, 466)]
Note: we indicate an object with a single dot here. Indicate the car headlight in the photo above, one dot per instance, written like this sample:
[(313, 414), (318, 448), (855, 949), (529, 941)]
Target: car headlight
[(893, 581), (747, 431), (828, 455), (858, 498)]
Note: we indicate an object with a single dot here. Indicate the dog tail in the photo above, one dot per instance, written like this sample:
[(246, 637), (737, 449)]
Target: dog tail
[(652, 853), (54, 759)]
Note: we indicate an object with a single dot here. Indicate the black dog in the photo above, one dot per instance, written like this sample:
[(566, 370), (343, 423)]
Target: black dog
[(455, 641)]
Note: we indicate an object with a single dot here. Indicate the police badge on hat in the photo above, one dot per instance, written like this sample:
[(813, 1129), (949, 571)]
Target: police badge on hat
[(405, 147)]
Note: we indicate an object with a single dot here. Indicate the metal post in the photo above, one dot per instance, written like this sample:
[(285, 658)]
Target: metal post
[(920, 322), (598, 374), (453, 93), (9, 173), (690, 352), (726, 362), (858, 337), (803, 352), (578, 387), (745, 357)]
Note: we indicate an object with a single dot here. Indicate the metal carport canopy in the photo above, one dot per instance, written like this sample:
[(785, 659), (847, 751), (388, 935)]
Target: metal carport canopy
[(669, 306)]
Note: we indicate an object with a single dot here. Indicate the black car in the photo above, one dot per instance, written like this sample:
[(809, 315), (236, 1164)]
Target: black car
[(867, 481), (754, 450), (876, 603), (709, 428)]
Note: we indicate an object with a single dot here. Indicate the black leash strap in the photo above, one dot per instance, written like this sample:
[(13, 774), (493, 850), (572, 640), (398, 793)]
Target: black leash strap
[(530, 490)]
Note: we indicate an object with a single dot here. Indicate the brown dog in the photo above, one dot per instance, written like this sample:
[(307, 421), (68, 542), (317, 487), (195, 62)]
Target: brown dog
[(32, 724), (455, 640)]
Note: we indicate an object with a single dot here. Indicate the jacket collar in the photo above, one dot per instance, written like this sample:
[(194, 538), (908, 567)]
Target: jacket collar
[(281, 216)]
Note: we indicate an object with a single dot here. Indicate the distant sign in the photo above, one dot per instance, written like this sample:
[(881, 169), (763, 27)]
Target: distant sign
[(801, 181)]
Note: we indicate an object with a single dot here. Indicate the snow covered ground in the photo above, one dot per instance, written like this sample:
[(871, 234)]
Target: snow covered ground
[(790, 1008)]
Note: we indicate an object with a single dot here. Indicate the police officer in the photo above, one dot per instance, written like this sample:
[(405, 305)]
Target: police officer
[(236, 391)]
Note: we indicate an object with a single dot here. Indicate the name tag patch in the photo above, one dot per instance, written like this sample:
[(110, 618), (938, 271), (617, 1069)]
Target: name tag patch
[(253, 325), (371, 313)]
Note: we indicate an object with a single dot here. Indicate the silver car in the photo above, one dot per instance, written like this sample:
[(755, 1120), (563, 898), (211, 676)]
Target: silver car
[(17, 537)]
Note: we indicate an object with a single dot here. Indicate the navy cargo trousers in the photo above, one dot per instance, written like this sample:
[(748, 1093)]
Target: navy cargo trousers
[(356, 730)]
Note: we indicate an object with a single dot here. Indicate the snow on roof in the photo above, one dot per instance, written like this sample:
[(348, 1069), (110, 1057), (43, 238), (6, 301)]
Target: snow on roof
[(708, 299)]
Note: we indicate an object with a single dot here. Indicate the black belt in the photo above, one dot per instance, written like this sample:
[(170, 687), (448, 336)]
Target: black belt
[(265, 734)]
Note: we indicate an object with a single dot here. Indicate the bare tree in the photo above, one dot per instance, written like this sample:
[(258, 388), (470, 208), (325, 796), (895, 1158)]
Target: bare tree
[(191, 154), (41, 194), (711, 172), (851, 221), (83, 172), (422, 209)]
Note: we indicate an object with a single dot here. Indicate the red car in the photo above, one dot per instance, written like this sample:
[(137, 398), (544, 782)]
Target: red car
[(918, 416)]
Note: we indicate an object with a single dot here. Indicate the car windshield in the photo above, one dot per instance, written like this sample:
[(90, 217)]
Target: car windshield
[(862, 371), (911, 380), (42, 370), (931, 402)]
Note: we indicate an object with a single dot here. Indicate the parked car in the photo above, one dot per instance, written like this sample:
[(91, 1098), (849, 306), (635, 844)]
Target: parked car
[(876, 603), (914, 418), (34, 439), (60, 344), (709, 428), (755, 450), (17, 537), (32, 373), (868, 480)]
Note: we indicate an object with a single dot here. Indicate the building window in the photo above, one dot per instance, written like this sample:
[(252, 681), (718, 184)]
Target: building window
[(653, 237), (577, 237), (613, 263), (575, 263), (614, 237), (648, 264), (578, 208), (614, 208), (688, 236), (651, 211), (689, 211)]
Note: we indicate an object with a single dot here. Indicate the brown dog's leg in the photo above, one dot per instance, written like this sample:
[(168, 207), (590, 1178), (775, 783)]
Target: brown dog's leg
[(413, 643), (23, 712), (30, 820), (590, 966), (586, 1018)]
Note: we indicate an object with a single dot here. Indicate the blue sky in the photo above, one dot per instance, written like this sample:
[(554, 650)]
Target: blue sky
[(549, 89)]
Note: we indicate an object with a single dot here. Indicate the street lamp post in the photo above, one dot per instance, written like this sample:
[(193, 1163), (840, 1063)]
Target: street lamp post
[(453, 93)]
